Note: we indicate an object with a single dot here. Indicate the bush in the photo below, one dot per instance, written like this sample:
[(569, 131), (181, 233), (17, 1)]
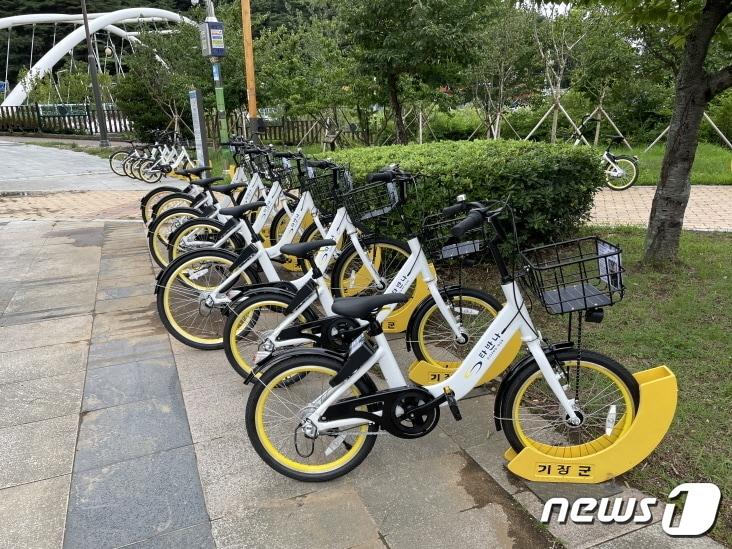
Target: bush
[(456, 124), (551, 186)]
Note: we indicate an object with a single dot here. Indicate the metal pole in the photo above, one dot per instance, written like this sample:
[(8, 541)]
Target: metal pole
[(246, 23), (218, 84), (220, 105), (103, 141)]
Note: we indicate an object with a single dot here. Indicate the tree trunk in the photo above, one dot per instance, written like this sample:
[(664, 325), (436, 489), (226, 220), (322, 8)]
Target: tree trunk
[(555, 122), (392, 85), (693, 92)]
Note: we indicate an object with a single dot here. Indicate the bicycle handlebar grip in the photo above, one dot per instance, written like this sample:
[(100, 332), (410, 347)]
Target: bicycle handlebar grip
[(387, 175), (472, 221), (455, 209), (321, 164)]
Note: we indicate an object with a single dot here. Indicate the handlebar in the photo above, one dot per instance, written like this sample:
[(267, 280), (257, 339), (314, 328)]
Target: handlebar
[(387, 175), (479, 215), (321, 164)]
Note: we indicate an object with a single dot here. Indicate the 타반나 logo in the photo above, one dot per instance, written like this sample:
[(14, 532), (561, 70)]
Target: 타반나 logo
[(695, 518)]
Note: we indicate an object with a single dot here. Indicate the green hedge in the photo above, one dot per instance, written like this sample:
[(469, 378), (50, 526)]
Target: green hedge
[(551, 186)]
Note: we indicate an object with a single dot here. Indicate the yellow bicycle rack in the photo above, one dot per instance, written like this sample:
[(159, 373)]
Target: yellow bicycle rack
[(658, 394)]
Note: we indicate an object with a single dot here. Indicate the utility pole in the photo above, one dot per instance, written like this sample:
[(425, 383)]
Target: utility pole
[(101, 119), (246, 24)]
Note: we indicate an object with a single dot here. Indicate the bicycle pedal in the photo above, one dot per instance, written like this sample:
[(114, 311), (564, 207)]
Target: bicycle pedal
[(452, 404)]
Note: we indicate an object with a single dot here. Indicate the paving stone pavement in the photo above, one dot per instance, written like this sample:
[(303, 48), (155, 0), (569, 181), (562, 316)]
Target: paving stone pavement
[(35, 168), (709, 209), (114, 434)]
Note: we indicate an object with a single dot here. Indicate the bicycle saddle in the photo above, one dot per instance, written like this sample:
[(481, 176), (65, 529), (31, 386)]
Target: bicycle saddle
[(207, 182), (363, 307), (227, 189), (193, 171), (304, 249), (238, 211)]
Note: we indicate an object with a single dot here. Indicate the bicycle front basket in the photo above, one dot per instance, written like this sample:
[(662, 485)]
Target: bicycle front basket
[(576, 275), (437, 231)]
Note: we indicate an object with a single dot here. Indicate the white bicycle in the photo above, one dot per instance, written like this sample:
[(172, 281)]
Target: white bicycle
[(313, 413)]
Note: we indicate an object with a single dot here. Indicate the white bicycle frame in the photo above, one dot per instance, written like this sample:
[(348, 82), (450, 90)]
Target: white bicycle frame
[(415, 266), (340, 226), (513, 318)]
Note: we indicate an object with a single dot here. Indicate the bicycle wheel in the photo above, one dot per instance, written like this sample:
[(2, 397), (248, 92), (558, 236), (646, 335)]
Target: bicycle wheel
[(116, 161), (273, 420), (173, 200), (624, 177), (159, 231), (135, 168), (250, 321), (350, 277), (127, 165), (151, 198), (196, 234), (278, 225), (182, 290), (606, 398), (309, 234), (431, 336), (148, 173)]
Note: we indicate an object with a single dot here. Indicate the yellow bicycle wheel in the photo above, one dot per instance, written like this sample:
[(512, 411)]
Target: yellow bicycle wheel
[(606, 400), (275, 415), (182, 293), (250, 322)]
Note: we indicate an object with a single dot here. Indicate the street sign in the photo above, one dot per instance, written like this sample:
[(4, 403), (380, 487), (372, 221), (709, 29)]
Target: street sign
[(212, 39), (199, 127)]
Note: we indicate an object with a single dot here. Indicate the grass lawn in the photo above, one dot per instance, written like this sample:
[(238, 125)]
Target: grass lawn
[(712, 165), (682, 318)]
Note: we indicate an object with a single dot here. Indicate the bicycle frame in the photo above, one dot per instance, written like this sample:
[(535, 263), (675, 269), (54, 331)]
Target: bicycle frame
[(513, 318), (415, 266), (340, 226)]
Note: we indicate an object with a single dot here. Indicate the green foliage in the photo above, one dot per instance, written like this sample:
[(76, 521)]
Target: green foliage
[(720, 111), (302, 70), (551, 187), (455, 124)]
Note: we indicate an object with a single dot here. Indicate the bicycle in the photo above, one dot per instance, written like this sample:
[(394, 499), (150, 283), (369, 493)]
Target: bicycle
[(265, 320), (313, 414), (621, 170), (194, 311)]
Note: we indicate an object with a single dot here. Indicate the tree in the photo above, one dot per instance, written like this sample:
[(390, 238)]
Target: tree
[(699, 79), (506, 64), (395, 40)]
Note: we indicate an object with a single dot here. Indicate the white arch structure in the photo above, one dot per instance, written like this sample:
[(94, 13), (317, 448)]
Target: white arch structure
[(97, 22)]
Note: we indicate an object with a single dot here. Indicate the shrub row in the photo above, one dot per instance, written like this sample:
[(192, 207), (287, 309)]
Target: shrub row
[(551, 186)]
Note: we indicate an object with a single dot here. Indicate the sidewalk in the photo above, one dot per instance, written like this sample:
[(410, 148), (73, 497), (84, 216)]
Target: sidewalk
[(112, 433), (709, 208)]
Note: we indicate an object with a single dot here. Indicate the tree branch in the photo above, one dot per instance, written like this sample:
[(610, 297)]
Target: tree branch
[(720, 81)]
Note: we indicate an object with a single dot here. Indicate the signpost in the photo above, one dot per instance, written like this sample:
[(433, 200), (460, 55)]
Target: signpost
[(199, 127), (212, 46)]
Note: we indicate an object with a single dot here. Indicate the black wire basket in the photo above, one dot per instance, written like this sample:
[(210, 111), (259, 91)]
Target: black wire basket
[(576, 275), (326, 187), (436, 238), (376, 206)]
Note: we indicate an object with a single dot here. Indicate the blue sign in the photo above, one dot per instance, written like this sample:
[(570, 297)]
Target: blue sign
[(212, 39)]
